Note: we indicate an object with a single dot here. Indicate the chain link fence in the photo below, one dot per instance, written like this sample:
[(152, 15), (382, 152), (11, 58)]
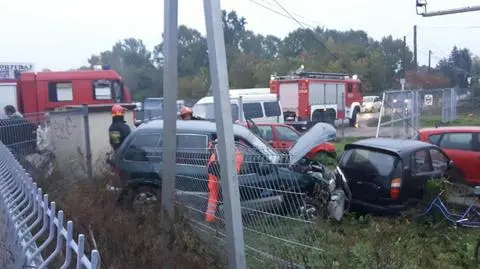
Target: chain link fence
[(404, 112)]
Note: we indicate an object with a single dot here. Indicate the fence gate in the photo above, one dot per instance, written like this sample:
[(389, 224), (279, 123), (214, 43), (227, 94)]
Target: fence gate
[(404, 112)]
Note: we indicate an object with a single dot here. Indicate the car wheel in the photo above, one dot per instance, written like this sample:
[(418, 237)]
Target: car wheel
[(353, 120), (139, 197)]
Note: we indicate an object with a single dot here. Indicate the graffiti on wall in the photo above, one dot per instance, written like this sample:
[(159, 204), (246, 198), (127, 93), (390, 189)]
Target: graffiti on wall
[(63, 128)]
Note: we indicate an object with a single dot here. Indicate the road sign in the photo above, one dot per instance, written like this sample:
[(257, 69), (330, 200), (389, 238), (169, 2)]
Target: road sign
[(402, 83), (428, 99)]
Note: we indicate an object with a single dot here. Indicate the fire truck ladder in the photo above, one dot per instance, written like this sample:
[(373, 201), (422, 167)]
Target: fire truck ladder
[(315, 75)]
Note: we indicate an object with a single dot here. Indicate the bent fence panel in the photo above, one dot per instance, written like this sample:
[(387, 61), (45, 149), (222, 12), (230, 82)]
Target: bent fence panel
[(279, 206), (34, 228)]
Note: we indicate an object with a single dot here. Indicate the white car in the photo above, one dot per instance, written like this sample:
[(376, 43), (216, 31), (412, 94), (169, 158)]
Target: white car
[(371, 104)]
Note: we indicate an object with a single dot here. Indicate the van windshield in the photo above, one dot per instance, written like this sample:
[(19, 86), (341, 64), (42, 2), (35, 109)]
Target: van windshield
[(153, 108), (370, 161), (206, 111)]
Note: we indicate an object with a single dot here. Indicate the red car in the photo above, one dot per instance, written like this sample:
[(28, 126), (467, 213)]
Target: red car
[(282, 136), (462, 145)]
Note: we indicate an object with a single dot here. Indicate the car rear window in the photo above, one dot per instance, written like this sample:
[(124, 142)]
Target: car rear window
[(272, 109), (369, 160), (253, 110), (434, 139)]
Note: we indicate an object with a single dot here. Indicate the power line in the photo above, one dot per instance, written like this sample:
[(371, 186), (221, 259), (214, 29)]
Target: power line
[(450, 27), (274, 8), (302, 25)]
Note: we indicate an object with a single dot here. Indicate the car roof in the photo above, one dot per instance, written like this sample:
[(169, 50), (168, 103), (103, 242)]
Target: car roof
[(203, 126), (390, 144), (446, 129)]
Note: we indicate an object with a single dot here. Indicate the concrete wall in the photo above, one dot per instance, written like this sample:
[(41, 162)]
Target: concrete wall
[(99, 140)]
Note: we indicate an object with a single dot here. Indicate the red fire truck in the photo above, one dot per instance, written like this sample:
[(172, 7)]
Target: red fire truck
[(46, 91), (310, 97)]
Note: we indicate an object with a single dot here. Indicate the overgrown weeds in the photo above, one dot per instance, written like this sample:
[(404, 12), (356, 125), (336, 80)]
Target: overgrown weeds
[(127, 239)]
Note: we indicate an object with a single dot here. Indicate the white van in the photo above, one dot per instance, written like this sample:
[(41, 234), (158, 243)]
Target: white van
[(258, 107)]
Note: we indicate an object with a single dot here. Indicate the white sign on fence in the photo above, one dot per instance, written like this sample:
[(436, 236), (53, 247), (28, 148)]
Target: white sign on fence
[(428, 99)]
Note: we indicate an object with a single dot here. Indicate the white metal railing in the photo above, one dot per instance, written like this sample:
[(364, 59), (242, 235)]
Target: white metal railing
[(33, 223)]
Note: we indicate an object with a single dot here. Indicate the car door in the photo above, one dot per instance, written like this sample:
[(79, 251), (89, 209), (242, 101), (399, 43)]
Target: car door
[(191, 162), (464, 149), (141, 158), (258, 178), (421, 170), (440, 162), (285, 136)]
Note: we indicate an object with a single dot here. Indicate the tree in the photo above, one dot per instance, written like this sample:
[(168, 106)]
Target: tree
[(252, 58), (457, 67)]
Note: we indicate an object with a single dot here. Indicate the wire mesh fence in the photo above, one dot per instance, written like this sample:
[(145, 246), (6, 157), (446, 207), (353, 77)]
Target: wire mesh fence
[(35, 233), (404, 112), (280, 201), (42, 142)]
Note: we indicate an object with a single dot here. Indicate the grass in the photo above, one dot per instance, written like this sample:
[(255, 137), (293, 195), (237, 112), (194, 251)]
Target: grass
[(365, 241), (137, 240), (433, 120)]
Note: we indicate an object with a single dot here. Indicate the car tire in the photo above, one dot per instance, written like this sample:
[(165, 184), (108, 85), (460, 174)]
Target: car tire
[(353, 120), (134, 198)]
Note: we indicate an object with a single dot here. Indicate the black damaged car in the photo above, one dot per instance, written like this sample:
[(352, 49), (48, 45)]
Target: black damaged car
[(390, 175), (270, 181)]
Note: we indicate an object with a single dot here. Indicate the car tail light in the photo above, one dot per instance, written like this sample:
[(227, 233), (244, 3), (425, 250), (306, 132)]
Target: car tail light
[(395, 188)]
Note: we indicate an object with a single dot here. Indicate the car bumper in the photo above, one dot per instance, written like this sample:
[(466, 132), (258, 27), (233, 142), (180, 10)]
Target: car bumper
[(382, 209)]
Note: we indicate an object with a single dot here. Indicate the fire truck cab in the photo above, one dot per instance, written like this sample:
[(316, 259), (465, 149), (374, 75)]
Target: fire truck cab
[(45, 91), (311, 97)]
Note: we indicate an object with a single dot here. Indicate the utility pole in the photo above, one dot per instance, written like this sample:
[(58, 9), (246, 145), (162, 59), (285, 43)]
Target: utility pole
[(404, 63), (422, 4), (415, 59), (429, 61)]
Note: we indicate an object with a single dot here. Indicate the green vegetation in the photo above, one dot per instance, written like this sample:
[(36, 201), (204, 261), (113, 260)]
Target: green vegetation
[(252, 58), (365, 242), (462, 120)]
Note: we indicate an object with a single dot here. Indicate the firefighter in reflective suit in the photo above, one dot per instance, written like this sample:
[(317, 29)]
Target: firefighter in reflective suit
[(213, 176)]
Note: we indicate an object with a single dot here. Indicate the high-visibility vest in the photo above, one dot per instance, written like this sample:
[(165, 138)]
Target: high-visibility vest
[(213, 188)]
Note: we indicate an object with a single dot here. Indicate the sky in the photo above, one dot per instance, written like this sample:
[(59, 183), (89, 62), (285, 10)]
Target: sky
[(60, 35)]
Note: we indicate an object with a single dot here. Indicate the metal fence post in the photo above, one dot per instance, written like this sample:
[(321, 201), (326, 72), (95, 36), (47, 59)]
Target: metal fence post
[(221, 97), (170, 92), (241, 113), (88, 147), (382, 110)]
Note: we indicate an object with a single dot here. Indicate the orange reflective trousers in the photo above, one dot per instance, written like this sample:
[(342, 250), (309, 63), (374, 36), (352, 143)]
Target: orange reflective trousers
[(213, 186)]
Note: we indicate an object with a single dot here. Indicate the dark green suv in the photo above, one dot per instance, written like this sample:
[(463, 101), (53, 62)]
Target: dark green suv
[(268, 180)]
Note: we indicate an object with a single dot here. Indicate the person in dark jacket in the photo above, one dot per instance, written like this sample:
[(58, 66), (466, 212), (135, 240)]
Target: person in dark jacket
[(17, 133), (118, 130)]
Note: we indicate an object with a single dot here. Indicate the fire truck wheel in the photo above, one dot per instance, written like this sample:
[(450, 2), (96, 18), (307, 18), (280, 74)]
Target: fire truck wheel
[(353, 120)]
